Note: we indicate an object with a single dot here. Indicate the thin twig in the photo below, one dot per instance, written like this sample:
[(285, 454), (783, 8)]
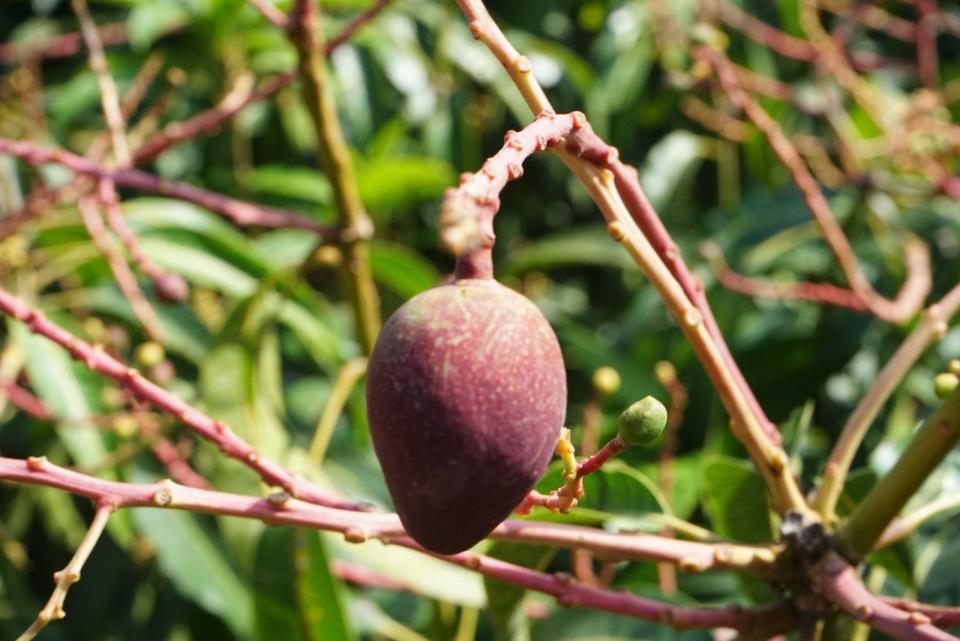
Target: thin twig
[(125, 278), (61, 46), (268, 10), (904, 526), (823, 293), (240, 212), (932, 326), (70, 574), (917, 260), (109, 99), (860, 532), (347, 377), (240, 98), (130, 379)]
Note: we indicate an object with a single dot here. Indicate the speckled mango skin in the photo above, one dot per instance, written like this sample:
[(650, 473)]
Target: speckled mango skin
[(466, 395)]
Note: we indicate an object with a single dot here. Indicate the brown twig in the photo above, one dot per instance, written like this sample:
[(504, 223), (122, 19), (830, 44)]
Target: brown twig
[(125, 278), (926, 42), (917, 260), (70, 574), (822, 293), (940, 615), (61, 46), (240, 212), (109, 99), (666, 375), (240, 98)]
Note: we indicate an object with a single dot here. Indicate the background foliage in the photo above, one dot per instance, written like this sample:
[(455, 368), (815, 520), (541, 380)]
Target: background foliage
[(266, 327)]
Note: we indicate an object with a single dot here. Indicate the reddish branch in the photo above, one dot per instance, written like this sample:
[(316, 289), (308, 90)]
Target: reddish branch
[(280, 509), (823, 293), (917, 260), (240, 212), (837, 580), (24, 400), (358, 527), (240, 98), (61, 46), (130, 379), (926, 42), (125, 278), (941, 615), (466, 215), (770, 619)]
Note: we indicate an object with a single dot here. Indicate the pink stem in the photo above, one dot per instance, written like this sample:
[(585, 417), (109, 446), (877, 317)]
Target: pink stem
[(280, 510), (358, 527), (570, 593), (62, 46), (838, 581), (240, 212), (467, 211), (212, 430), (593, 463)]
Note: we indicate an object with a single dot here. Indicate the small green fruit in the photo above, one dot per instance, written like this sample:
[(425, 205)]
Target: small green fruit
[(643, 421), (944, 384)]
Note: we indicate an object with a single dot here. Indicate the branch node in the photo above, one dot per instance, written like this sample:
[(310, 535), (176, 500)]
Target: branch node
[(616, 231), (354, 534), (36, 463)]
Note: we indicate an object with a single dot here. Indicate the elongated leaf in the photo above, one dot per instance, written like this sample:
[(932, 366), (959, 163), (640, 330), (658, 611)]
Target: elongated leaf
[(297, 597), (188, 556)]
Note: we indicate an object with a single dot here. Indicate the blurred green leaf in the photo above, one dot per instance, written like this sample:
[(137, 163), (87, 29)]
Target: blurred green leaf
[(735, 498), (402, 269), (189, 557), (297, 596), (505, 601)]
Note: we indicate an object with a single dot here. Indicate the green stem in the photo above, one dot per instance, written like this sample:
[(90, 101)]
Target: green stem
[(931, 327), (939, 433), (356, 226)]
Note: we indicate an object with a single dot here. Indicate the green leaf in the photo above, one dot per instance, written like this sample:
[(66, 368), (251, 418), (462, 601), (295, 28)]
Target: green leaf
[(57, 381), (149, 21), (291, 181), (297, 596), (423, 574), (505, 601), (584, 246), (390, 184), (189, 556), (401, 269), (735, 499)]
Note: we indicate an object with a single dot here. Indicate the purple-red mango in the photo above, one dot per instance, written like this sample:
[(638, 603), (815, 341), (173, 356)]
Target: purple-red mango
[(466, 395)]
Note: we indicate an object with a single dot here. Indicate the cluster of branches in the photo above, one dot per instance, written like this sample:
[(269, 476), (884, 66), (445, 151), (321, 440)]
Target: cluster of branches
[(815, 563)]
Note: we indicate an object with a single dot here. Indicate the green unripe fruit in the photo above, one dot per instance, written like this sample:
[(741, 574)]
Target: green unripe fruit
[(643, 421), (944, 384)]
